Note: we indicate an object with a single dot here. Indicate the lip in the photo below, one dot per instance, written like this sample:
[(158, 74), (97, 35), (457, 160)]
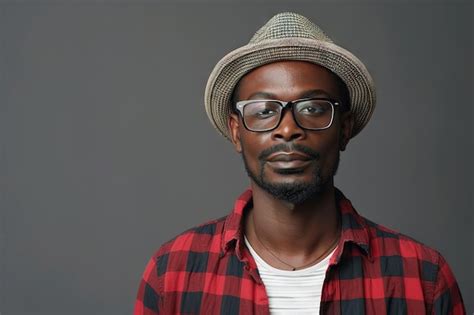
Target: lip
[(283, 156), (289, 160), (293, 164)]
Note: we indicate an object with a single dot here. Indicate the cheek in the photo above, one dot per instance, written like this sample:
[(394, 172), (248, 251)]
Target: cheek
[(252, 145), (331, 158), (328, 147)]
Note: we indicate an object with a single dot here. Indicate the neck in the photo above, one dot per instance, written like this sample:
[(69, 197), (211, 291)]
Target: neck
[(296, 232)]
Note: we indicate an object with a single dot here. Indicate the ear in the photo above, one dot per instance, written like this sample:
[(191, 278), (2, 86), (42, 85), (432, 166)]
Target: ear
[(233, 124), (347, 123)]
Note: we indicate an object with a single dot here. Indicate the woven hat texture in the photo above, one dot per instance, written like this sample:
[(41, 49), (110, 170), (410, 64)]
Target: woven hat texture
[(288, 36)]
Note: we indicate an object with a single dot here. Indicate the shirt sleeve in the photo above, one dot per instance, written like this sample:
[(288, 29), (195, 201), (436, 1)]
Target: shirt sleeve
[(148, 296), (447, 297)]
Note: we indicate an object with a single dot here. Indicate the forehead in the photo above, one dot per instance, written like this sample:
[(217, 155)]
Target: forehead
[(288, 79)]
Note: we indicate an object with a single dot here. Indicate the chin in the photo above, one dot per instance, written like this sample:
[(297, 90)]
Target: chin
[(294, 192), (292, 187), (288, 180)]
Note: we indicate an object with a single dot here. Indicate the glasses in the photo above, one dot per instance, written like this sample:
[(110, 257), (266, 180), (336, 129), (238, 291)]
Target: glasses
[(265, 115)]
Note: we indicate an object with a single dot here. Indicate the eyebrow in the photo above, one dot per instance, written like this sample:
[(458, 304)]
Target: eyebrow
[(306, 94)]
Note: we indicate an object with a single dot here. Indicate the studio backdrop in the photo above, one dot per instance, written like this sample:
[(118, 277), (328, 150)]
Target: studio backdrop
[(106, 150)]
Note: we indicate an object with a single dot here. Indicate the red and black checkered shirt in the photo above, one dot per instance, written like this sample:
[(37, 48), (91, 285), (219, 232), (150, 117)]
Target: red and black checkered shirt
[(374, 270)]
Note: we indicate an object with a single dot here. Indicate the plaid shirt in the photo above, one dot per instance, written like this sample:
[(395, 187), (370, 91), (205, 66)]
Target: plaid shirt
[(374, 270)]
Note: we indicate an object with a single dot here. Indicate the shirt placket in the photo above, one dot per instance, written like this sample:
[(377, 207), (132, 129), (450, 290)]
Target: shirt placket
[(250, 267)]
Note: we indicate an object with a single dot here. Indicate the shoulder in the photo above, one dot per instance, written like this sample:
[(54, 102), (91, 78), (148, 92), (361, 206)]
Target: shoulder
[(188, 251), (420, 265), (385, 242), (197, 241), (192, 246)]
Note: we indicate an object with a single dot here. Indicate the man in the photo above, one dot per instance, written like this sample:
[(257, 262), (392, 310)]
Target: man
[(289, 102)]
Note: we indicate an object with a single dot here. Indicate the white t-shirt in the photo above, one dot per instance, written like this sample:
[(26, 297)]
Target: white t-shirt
[(292, 292)]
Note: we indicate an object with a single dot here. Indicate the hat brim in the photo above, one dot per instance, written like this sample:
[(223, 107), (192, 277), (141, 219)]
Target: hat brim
[(230, 69)]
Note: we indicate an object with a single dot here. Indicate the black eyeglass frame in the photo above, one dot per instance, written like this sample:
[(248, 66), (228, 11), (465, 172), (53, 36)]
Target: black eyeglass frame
[(241, 104)]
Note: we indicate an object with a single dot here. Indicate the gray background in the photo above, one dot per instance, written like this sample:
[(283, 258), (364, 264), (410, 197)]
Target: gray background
[(106, 151)]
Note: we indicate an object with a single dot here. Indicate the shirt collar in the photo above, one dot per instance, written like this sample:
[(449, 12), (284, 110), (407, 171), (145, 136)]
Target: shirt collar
[(354, 227)]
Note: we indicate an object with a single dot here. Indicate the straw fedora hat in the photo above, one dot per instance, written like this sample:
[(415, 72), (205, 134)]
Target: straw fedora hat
[(288, 36)]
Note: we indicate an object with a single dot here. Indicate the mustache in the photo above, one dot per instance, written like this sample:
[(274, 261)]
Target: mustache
[(288, 147)]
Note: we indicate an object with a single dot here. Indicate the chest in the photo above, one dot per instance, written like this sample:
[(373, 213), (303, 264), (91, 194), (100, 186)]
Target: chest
[(353, 286)]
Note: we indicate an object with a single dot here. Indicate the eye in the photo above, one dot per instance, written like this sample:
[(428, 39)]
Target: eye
[(265, 113), (313, 108), (310, 109), (261, 110)]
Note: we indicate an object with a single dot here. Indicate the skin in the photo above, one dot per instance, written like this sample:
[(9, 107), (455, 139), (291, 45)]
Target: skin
[(297, 233)]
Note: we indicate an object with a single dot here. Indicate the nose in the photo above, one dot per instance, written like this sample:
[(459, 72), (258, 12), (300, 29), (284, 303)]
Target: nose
[(288, 129)]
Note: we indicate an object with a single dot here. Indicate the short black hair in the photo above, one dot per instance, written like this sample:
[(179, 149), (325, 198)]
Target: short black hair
[(233, 98), (344, 92)]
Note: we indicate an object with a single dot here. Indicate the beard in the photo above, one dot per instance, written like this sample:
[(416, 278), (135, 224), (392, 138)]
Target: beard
[(295, 192)]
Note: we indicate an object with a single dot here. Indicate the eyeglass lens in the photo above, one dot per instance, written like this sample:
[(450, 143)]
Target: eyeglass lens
[(310, 114)]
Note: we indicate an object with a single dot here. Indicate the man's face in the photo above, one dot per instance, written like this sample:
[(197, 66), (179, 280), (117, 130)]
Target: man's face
[(291, 163)]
